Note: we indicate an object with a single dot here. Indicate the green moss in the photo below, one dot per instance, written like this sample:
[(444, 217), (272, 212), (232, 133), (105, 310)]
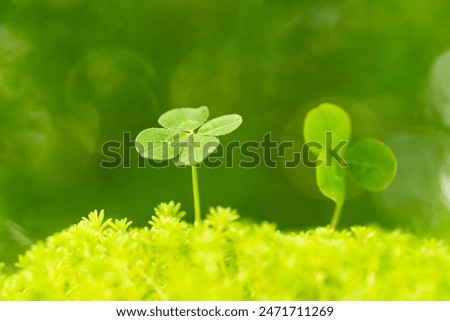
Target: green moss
[(223, 259)]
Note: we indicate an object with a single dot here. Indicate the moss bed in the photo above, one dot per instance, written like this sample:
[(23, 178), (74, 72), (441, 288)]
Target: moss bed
[(224, 259)]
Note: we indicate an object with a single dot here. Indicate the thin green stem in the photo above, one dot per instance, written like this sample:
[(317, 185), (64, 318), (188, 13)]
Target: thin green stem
[(198, 216), (336, 216)]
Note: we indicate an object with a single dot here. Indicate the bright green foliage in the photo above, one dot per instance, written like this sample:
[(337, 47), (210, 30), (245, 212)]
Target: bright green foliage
[(224, 259), (369, 162), (179, 126)]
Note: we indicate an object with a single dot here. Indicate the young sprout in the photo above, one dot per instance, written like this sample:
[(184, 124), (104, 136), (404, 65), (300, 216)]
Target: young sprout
[(187, 137), (370, 163)]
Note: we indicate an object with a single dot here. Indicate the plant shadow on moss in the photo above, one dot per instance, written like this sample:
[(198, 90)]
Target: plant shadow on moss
[(223, 259)]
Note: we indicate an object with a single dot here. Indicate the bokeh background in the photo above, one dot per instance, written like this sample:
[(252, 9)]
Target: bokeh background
[(75, 74)]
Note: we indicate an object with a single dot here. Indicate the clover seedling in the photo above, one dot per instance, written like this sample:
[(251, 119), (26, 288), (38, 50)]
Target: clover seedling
[(370, 163), (187, 137)]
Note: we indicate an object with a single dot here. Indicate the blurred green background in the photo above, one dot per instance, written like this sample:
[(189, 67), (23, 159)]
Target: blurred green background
[(75, 74)]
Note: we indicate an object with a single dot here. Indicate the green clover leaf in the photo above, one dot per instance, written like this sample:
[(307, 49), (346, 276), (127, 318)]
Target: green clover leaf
[(331, 179), (155, 143), (327, 118), (198, 148), (221, 125), (185, 119)]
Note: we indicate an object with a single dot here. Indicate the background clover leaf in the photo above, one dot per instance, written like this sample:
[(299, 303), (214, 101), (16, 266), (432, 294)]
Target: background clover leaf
[(327, 118), (372, 164), (186, 119), (331, 179)]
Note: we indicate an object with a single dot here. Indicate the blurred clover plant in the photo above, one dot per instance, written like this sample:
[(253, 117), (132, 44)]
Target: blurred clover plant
[(187, 136), (370, 162)]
